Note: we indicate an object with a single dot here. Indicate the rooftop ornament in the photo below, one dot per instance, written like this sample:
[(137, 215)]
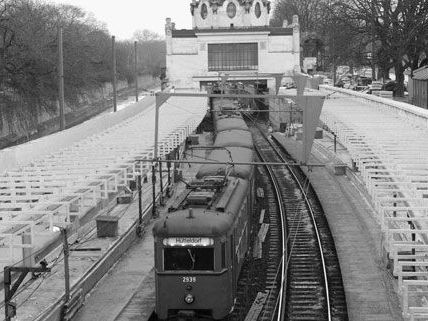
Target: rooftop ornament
[(247, 4), (214, 4), (193, 6), (266, 3)]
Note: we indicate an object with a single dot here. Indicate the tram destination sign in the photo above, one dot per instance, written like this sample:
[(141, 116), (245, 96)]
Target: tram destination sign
[(188, 241)]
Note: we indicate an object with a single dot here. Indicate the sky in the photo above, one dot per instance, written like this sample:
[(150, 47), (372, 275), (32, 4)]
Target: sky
[(125, 16)]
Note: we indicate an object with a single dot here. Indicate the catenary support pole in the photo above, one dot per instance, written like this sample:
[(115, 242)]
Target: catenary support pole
[(154, 209), (61, 80), (140, 207), (335, 142), (160, 183), (113, 80), (135, 69), (159, 101), (66, 265)]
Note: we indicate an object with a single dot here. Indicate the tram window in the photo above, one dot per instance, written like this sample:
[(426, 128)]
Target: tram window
[(180, 259), (223, 255)]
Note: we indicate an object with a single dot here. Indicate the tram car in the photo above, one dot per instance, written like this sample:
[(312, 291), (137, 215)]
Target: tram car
[(231, 123), (201, 244)]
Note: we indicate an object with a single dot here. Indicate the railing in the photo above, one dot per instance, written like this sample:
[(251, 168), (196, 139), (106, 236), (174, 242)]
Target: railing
[(393, 164), (61, 188)]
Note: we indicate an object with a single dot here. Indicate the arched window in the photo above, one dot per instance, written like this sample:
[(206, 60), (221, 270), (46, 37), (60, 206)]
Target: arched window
[(204, 11), (231, 10), (258, 10)]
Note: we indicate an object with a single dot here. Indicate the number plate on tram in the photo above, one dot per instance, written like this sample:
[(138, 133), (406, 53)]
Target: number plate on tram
[(189, 279)]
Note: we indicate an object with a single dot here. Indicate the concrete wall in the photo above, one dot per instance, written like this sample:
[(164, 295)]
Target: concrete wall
[(189, 56), (86, 99)]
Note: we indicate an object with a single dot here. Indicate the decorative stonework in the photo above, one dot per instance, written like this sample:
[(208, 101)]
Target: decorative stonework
[(211, 14), (231, 10), (246, 4), (266, 3), (215, 4), (193, 6)]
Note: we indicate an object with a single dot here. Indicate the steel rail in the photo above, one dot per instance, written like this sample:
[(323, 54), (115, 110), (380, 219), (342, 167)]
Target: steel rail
[(283, 233), (316, 231)]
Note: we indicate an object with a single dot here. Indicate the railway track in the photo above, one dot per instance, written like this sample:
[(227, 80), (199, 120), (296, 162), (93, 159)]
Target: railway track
[(313, 288)]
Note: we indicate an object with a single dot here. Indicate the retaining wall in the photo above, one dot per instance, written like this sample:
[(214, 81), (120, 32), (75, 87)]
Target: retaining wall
[(23, 154)]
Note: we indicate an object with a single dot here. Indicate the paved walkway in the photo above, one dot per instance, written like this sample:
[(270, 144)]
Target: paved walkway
[(132, 281), (369, 286)]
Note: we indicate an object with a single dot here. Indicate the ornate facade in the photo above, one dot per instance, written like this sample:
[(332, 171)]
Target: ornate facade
[(227, 13), (231, 37)]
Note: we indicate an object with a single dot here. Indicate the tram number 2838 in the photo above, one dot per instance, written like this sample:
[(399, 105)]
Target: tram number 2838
[(189, 279)]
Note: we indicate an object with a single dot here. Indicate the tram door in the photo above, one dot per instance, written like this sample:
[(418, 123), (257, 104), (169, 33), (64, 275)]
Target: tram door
[(233, 265)]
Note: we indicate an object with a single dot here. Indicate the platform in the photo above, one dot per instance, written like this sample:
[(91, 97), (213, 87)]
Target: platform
[(66, 188), (369, 285), (387, 143), (128, 290)]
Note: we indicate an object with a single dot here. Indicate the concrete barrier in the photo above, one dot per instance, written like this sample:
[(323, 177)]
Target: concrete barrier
[(412, 113)]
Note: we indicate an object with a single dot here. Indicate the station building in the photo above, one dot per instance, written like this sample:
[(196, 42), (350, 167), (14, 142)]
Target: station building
[(231, 37)]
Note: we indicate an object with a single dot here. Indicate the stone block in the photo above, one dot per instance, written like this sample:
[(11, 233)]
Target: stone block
[(193, 140), (107, 226), (124, 199), (339, 169)]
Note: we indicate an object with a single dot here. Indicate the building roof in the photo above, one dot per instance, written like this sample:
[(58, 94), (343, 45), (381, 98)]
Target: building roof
[(421, 73), (191, 33)]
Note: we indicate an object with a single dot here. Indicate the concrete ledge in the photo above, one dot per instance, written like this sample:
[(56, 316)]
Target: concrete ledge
[(25, 153), (97, 271), (409, 110), (339, 169)]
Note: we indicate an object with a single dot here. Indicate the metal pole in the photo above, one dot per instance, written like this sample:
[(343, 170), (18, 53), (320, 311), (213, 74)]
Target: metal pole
[(66, 266), (140, 201), (140, 207), (61, 80), (7, 282), (335, 143), (373, 35), (154, 212), (113, 58), (155, 156), (158, 104), (161, 183), (168, 166), (135, 70)]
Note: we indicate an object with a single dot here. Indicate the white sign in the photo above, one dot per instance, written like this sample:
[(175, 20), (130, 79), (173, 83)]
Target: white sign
[(188, 241)]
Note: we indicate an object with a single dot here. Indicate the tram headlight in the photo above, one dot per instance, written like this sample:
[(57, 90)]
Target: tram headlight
[(189, 298)]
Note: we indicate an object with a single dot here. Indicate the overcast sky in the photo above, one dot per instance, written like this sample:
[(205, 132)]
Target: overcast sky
[(123, 17)]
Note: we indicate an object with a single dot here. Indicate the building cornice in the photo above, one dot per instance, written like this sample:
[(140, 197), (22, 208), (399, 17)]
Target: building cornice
[(192, 33)]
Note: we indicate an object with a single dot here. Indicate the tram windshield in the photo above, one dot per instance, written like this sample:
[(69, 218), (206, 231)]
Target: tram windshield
[(195, 258)]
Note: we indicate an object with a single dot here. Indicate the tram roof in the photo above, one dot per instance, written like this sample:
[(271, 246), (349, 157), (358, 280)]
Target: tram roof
[(201, 222), (234, 138)]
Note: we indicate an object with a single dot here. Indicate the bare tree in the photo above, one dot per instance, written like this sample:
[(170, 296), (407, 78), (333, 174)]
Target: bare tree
[(399, 27), (146, 35)]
